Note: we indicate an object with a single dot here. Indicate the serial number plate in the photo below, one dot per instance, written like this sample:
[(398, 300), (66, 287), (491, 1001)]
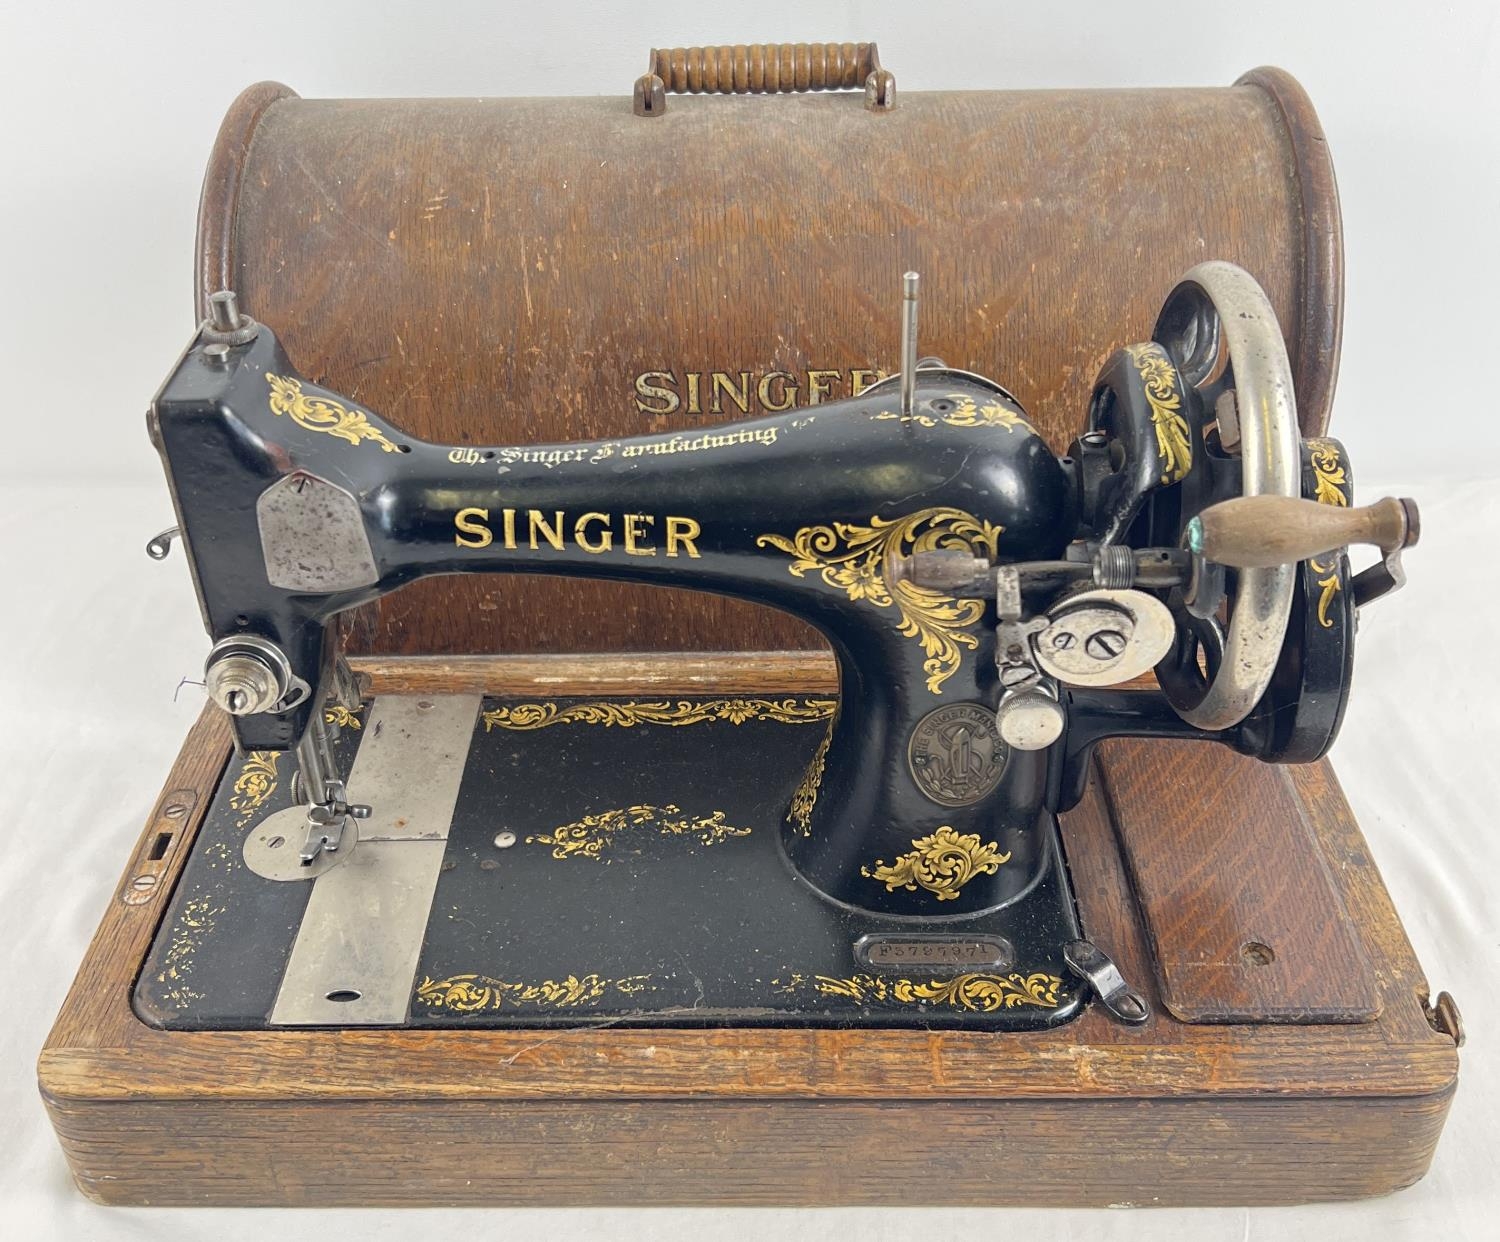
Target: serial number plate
[(965, 952)]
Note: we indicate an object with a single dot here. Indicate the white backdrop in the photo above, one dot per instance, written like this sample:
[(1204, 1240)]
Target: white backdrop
[(110, 111)]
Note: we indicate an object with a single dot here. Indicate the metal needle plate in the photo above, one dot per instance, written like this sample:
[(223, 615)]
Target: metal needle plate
[(355, 956)]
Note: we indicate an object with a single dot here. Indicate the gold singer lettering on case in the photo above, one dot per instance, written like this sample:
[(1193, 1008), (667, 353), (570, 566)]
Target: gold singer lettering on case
[(747, 392), (594, 533)]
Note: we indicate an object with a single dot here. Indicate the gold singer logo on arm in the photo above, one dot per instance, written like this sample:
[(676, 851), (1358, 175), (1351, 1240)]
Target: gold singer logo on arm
[(942, 864), (322, 413), (594, 533), (1159, 379), (852, 559)]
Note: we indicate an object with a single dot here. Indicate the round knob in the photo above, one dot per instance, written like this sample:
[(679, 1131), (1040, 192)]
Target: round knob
[(243, 684), (1029, 720)]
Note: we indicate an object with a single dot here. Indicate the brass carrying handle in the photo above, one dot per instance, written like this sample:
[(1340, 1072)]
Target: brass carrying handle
[(764, 69), (1258, 532)]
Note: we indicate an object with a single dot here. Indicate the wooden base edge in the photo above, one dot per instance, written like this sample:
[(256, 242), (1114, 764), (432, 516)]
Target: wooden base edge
[(1094, 1114), (1036, 1153)]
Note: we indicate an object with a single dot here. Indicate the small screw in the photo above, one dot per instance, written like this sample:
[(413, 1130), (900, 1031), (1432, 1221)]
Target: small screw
[(1064, 639), (174, 810), (504, 840), (424, 705), (1105, 644)]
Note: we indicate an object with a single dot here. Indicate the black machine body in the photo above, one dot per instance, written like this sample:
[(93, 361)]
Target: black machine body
[(995, 608)]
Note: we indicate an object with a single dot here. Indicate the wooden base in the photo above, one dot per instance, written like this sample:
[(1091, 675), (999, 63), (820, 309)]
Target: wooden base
[(1291, 1056)]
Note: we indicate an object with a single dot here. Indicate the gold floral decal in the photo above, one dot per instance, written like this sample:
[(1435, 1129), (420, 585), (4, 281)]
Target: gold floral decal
[(1328, 473), (593, 834), (1331, 587), (255, 783), (806, 797), (852, 558), (525, 716), (979, 992), (966, 413), (992, 414), (1329, 482), (344, 717), (194, 921), (477, 993), (942, 864), (1159, 377), (323, 413)]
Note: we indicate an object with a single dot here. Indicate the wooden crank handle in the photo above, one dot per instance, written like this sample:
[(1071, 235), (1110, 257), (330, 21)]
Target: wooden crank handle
[(1259, 532)]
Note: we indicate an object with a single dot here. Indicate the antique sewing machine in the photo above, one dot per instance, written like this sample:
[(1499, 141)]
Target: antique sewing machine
[(991, 605), (667, 740)]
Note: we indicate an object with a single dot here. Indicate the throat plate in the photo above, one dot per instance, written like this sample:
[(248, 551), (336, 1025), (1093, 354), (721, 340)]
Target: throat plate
[(361, 935)]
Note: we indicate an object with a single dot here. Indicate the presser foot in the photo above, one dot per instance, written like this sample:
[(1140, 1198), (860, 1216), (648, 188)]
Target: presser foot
[(327, 817), (327, 823)]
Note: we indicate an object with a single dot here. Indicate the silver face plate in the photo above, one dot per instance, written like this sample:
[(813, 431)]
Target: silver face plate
[(356, 953), (313, 536)]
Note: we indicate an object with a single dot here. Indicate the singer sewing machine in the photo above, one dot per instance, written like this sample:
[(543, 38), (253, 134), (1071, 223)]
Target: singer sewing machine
[(892, 860), (446, 862), (666, 742)]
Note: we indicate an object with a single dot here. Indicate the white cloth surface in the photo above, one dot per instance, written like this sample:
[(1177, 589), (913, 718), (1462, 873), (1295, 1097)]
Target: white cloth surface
[(96, 639)]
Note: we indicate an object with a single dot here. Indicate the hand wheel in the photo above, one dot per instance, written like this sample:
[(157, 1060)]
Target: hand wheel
[(1220, 333)]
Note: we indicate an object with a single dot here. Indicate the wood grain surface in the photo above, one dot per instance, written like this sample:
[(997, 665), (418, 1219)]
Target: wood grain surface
[(1093, 1112), (1244, 926)]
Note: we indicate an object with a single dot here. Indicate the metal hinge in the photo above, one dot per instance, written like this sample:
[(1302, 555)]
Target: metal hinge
[(1443, 1016)]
